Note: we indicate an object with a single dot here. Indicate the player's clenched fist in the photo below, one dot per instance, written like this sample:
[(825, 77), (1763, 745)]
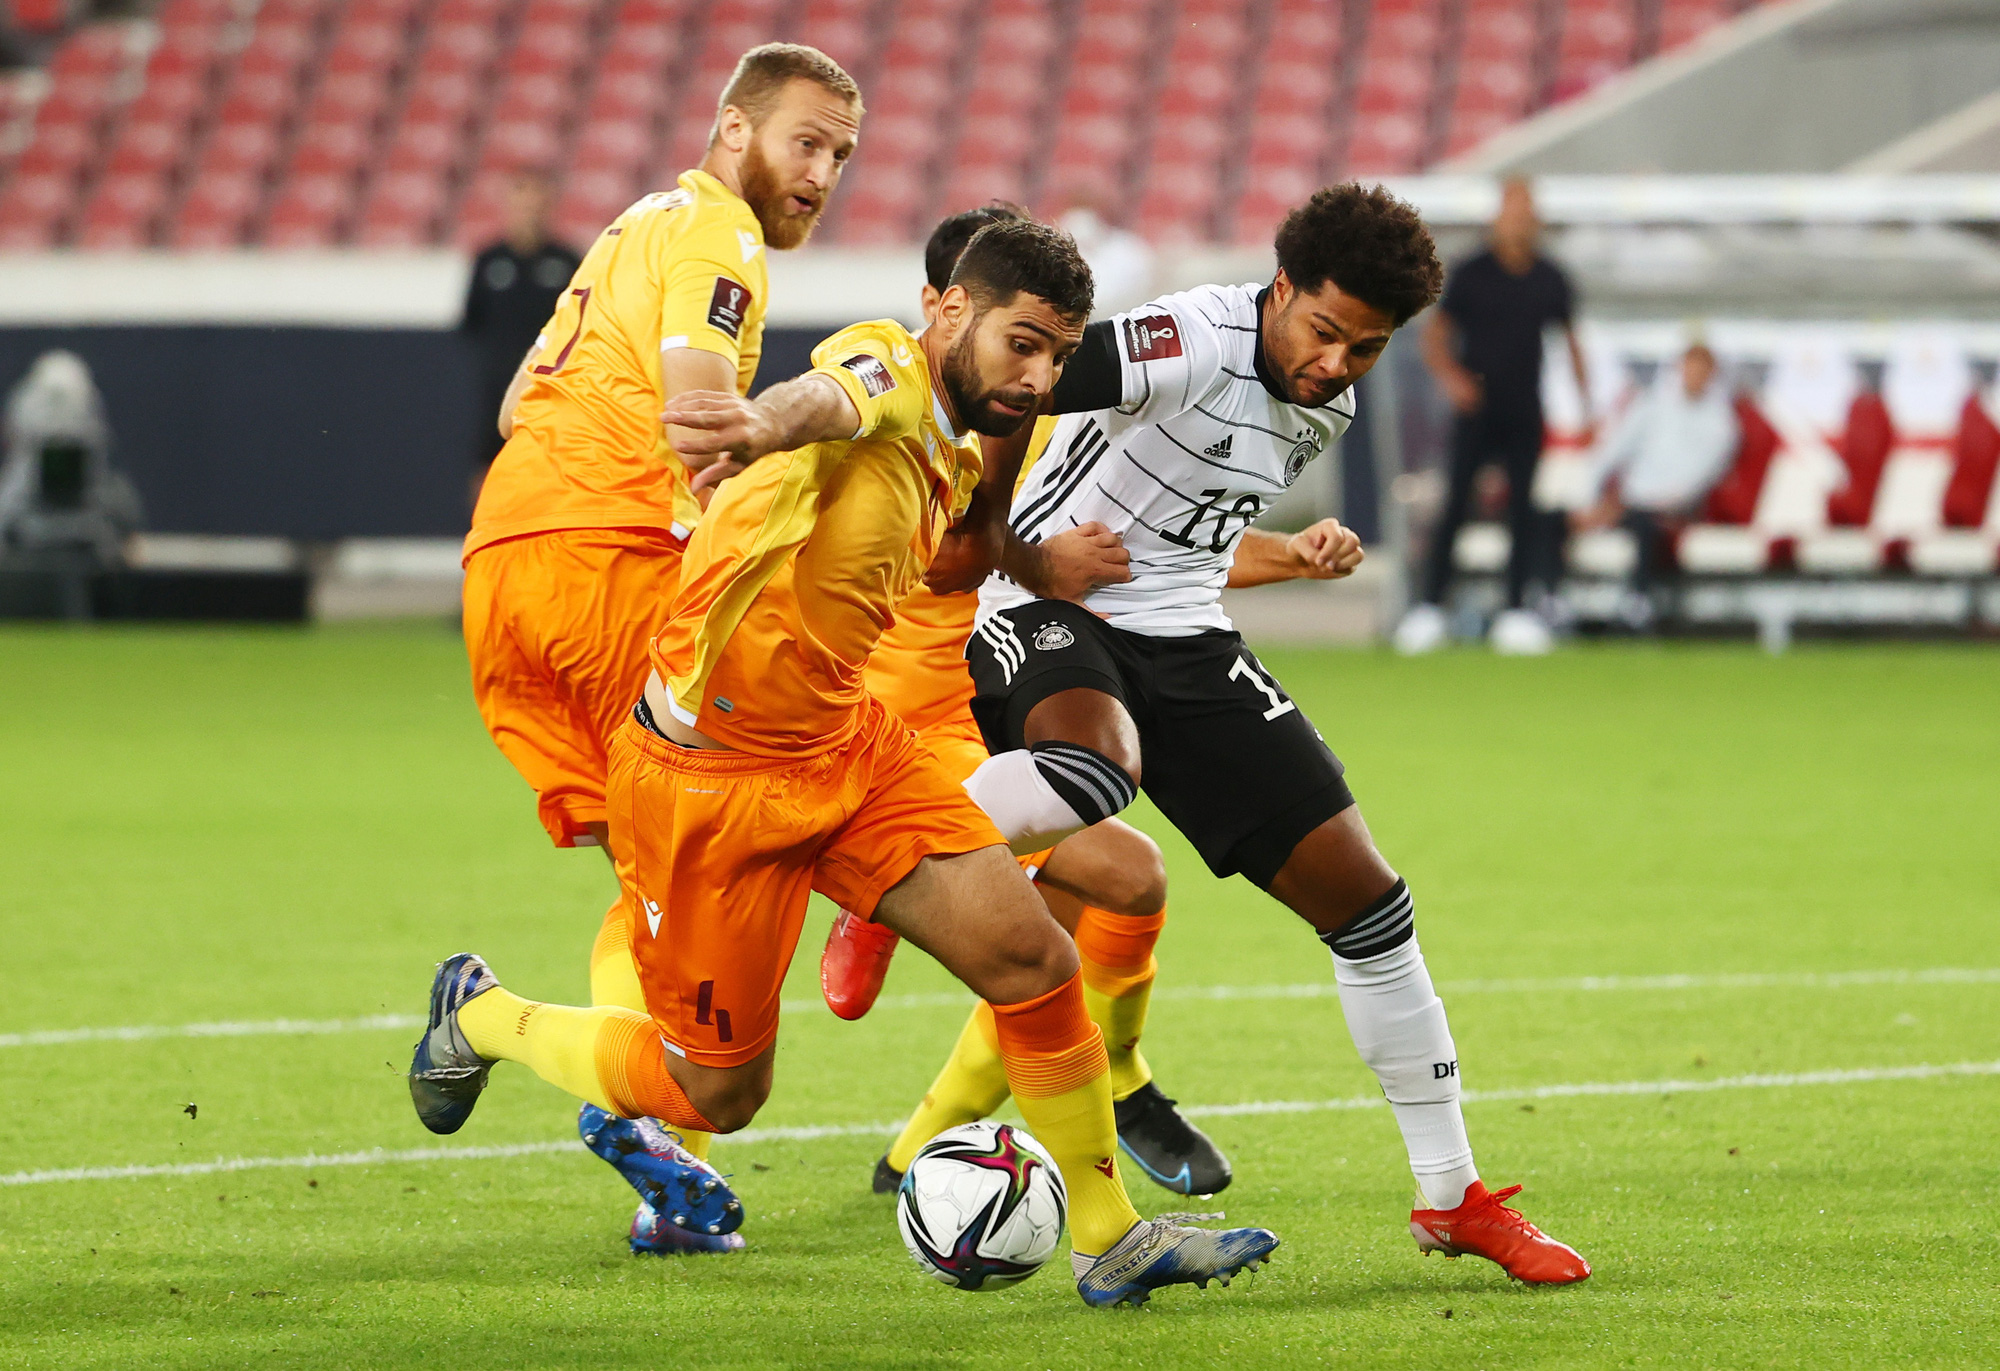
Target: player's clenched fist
[(1328, 550)]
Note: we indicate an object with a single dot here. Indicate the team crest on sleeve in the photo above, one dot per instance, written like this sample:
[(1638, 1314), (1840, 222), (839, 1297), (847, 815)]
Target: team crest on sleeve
[(728, 306), (1053, 637), (1152, 337), (868, 369), (1304, 450)]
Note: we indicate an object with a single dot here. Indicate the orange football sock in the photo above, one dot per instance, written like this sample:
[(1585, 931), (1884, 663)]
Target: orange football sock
[(972, 1085), (1118, 973), (614, 980), (1056, 1066)]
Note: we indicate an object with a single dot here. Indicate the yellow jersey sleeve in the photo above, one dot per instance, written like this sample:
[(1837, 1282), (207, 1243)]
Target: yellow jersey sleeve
[(715, 289), (881, 367)]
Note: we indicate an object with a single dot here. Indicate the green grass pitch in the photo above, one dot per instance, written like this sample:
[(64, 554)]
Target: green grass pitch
[(238, 827)]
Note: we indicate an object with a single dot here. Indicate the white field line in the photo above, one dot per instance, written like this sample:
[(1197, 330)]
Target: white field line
[(377, 1156), (1309, 990)]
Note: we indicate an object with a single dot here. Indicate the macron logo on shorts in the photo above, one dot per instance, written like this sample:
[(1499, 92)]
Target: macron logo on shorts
[(874, 377), (1152, 338), (728, 306)]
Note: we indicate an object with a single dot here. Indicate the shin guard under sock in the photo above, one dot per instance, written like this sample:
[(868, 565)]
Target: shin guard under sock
[(1056, 1067), (1398, 1025), (971, 1086), (1118, 972)]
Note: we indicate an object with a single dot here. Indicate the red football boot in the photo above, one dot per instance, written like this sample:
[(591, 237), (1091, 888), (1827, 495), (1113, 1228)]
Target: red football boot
[(854, 964), (1485, 1227)]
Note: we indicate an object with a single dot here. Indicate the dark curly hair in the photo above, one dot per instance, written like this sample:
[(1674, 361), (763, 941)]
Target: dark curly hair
[(953, 232), (1014, 255), (1368, 243)]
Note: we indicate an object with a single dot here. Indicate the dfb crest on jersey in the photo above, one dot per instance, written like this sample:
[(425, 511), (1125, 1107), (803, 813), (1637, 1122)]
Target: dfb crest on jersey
[(1053, 638), (1304, 450)]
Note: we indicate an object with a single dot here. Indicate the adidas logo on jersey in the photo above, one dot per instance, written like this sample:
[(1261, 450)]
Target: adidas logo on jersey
[(1219, 451)]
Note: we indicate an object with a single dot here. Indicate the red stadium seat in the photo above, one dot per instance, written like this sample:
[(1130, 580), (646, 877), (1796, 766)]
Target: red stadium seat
[(1683, 21), (441, 97), (616, 145), (1734, 498), (121, 211), (1975, 460), (1385, 144), (363, 47), (331, 148), (307, 213), (592, 199), (245, 146), (401, 208), (147, 146), (215, 211), (1864, 451), (32, 207), (423, 146)]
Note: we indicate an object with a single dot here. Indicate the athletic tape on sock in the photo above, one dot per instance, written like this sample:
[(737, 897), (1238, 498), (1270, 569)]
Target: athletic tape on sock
[(1388, 923), (1089, 782)]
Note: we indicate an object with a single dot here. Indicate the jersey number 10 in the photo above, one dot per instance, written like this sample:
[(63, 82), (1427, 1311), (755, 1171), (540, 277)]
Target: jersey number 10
[(1246, 508)]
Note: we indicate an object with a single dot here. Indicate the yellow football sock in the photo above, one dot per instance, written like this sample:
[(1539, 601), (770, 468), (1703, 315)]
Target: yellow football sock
[(972, 1085), (1118, 972), (1117, 1000), (614, 980), (557, 1042), (1055, 1062)]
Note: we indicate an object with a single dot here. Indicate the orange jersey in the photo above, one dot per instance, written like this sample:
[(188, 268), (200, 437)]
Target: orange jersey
[(800, 562), (681, 268), (918, 669)]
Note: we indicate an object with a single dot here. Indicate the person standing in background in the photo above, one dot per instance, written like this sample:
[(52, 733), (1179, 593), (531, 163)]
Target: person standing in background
[(1484, 345), (515, 285)]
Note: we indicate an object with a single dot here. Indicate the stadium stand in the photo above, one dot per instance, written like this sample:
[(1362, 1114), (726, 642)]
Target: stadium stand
[(394, 123)]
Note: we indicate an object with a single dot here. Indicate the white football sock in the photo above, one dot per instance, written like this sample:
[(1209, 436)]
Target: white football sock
[(1398, 1025)]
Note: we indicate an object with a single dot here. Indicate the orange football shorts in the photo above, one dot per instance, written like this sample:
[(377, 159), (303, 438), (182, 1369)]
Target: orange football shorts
[(556, 626), (720, 851)]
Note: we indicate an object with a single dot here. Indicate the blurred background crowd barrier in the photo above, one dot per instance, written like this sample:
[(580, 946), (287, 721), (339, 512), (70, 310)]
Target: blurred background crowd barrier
[(254, 223)]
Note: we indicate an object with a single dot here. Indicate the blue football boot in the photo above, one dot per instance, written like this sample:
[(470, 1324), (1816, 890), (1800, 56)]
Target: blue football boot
[(1159, 1252), (446, 1075), (653, 1236), (681, 1187)]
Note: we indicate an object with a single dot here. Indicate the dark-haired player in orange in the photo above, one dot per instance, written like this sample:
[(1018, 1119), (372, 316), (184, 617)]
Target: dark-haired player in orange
[(757, 768), (1106, 885), (576, 543)]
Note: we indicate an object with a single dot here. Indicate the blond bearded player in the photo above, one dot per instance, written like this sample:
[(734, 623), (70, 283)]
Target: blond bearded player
[(758, 769), (576, 543)]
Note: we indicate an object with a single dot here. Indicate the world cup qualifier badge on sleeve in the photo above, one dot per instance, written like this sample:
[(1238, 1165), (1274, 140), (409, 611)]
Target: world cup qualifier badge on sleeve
[(1152, 337), (868, 369), (728, 305)]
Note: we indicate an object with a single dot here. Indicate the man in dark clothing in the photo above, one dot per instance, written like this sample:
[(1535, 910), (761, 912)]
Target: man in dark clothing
[(1484, 345), (515, 285)]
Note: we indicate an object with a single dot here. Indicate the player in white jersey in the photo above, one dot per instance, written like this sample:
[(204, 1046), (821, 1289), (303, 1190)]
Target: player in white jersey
[(1182, 420)]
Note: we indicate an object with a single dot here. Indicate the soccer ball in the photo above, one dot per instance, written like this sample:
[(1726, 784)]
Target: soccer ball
[(982, 1206)]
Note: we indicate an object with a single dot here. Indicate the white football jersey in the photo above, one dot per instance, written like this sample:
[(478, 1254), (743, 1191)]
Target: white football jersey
[(1193, 455)]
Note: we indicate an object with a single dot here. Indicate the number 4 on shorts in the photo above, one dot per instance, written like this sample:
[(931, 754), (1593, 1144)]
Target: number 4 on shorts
[(1279, 704)]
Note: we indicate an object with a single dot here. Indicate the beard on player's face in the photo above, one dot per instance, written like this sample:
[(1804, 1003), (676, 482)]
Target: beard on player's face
[(787, 212), (975, 402)]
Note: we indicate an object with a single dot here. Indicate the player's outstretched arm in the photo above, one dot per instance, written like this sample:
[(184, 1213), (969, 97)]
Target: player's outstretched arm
[(1326, 551), (719, 433)]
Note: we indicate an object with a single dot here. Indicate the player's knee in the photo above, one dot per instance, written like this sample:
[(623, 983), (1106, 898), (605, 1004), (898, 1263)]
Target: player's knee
[(1135, 884), (730, 1100), (1030, 963)]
